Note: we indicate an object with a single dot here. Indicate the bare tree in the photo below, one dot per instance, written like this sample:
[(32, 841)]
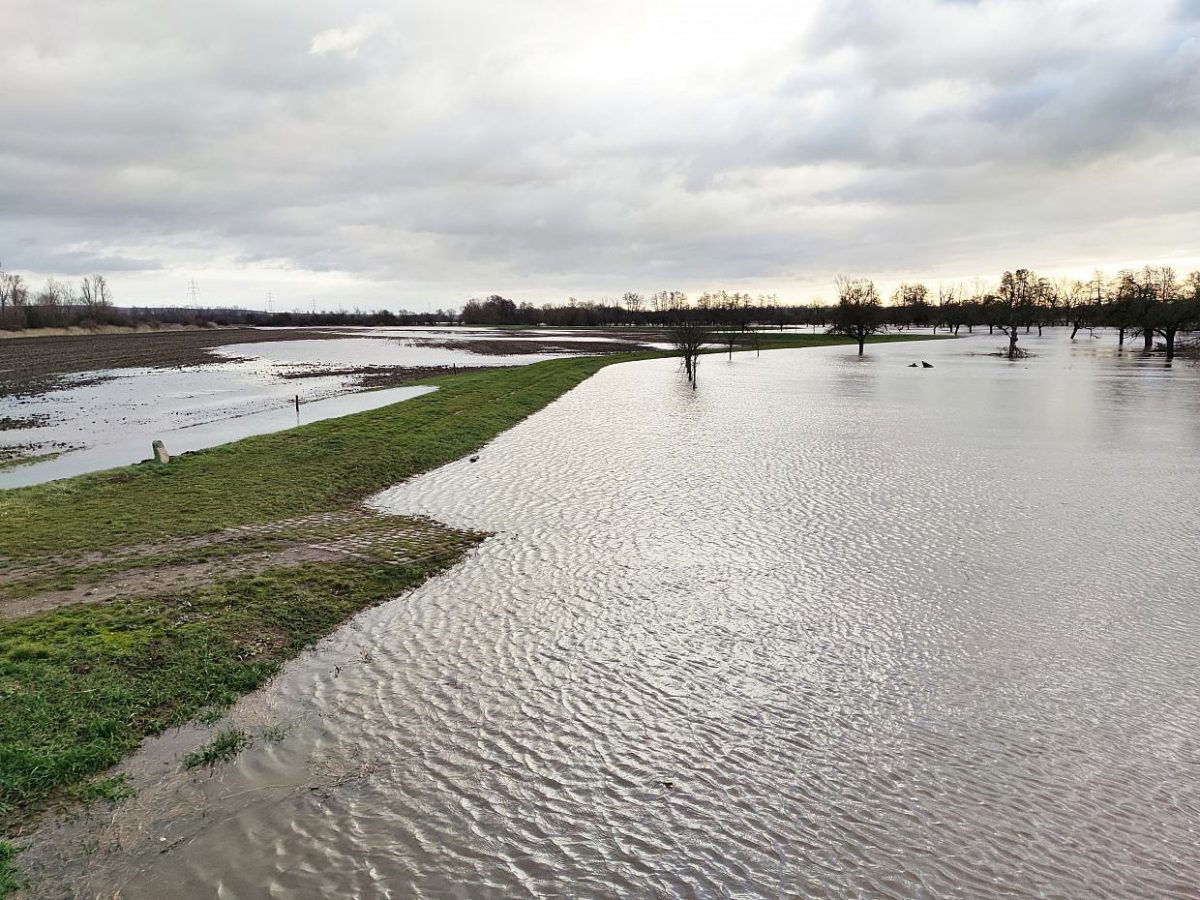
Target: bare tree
[(1014, 301), (13, 290), (914, 299), (858, 312), (730, 338), (94, 292), (1145, 293), (1172, 317), (54, 294), (633, 301), (1072, 295), (688, 339)]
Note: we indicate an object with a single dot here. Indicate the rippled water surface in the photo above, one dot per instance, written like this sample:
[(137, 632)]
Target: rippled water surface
[(825, 627)]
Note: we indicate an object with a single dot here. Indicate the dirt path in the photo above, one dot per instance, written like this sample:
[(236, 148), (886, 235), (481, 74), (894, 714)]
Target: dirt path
[(151, 569)]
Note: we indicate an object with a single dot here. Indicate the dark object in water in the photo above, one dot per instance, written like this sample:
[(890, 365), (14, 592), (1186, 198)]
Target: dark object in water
[(474, 459), (925, 365), (912, 365)]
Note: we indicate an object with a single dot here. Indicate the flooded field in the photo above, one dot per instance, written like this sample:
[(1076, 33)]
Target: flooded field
[(827, 626), (193, 391)]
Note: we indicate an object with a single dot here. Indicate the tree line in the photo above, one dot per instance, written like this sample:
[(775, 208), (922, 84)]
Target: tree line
[(57, 301), (1148, 303), (1152, 304), (60, 304)]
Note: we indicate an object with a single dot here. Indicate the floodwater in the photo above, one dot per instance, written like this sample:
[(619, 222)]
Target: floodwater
[(380, 349), (249, 412), (106, 419), (826, 626)]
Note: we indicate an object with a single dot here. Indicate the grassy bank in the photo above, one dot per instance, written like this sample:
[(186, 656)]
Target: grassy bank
[(83, 683)]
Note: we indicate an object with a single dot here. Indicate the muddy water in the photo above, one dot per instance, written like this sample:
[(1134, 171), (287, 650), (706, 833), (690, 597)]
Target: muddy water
[(825, 627)]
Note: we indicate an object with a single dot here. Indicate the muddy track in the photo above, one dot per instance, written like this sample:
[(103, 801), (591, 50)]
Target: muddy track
[(148, 569)]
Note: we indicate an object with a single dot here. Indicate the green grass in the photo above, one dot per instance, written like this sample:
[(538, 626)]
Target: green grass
[(9, 880), (111, 789), (82, 685), (225, 745)]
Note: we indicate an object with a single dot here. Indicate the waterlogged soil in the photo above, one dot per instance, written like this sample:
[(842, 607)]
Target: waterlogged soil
[(374, 377), (37, 364), (521, 344), (825, 626)]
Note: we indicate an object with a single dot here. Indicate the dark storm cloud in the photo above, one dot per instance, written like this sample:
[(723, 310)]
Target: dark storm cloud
[(433, 150)]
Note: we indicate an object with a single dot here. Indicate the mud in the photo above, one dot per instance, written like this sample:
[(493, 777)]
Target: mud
[(371, 377), (38, 364), (509, 346)]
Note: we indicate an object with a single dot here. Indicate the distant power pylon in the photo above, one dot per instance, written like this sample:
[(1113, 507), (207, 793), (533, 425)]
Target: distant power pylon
[(270, 301), (193, 294)]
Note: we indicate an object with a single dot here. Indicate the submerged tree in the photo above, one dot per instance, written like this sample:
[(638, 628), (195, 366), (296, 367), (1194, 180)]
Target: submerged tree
[(1140, 294), (687, 339), (1014, 302), (1172, 317), (858, 313), (730, 340)]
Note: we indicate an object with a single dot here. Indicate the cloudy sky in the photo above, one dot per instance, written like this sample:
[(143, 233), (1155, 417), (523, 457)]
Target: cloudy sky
[(417, 153)]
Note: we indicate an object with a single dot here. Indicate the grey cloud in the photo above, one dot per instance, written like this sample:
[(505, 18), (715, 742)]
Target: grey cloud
[(440, 147)]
